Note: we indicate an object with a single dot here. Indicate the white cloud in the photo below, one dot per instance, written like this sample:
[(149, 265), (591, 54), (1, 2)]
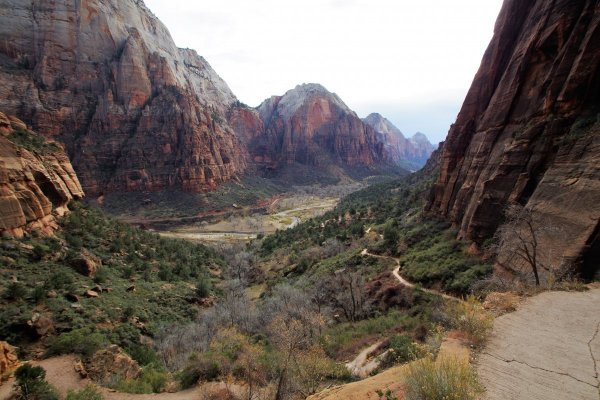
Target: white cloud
[(394, 52)]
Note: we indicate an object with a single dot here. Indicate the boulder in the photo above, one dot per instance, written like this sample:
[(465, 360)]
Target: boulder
[(112, 363), (43, 325), (91, 294), (8, 359), (85, 263)]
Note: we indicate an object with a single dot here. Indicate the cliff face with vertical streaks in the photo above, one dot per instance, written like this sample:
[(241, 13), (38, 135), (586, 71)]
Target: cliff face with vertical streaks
[(529, 129), (105, 78)]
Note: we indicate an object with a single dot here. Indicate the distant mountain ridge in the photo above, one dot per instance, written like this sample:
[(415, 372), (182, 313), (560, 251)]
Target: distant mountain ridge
[(410, 153)]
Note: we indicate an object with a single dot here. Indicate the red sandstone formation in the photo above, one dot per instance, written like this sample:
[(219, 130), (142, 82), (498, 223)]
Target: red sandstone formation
[(36, 185), (105, 78), (529, 129)]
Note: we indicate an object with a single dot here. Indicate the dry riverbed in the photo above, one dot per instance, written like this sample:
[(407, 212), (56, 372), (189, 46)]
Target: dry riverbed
[(282, 214)]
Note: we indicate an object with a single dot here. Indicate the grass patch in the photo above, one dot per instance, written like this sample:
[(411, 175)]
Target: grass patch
[(446, 378)]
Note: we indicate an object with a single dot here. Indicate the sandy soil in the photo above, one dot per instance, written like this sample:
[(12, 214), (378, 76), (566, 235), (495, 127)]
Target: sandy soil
[(61, 374), (548, 349), (388, 379)]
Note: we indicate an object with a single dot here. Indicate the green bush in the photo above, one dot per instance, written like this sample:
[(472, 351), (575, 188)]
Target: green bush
[(15, 291), (401, 350), (203, 368), (203, 288), (152, 380), (144, 355), (31, 384), (444, 379), (81, 341), (88, 393)]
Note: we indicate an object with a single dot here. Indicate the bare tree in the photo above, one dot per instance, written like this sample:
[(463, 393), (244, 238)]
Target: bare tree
[(518, 241), (350, 294)]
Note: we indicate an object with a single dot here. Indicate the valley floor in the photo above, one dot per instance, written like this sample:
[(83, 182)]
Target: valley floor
[(548, 349)]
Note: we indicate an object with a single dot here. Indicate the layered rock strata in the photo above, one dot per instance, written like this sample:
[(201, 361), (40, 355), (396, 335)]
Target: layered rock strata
[(37, 181), (105, 78)]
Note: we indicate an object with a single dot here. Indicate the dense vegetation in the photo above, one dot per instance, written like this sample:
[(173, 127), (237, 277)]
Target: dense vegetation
[(426, 245), (140, 283), (280, 314)]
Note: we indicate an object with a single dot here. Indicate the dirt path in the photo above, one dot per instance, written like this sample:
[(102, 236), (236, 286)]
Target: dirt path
[(388, 379), (362, 366), (548, 349), (61, 374), (404, 282)]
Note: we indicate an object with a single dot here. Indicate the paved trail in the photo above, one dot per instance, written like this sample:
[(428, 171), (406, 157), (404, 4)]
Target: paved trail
[(548, 349)]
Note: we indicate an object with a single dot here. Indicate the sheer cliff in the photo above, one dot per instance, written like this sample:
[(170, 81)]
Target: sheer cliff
[(105, 78), (529, 129)]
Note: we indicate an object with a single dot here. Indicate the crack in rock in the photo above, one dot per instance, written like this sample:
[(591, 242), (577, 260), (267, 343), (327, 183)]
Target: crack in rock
[(542, 369), (596, 375)]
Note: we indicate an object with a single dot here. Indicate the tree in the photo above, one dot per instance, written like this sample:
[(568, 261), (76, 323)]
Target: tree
[(31, 384), (349, 294), (518, 241)]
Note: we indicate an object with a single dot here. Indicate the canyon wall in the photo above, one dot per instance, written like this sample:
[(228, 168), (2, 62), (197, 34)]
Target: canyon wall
[(105, 78), (529, 130)]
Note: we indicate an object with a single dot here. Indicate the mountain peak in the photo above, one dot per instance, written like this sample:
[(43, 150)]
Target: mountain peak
[(382, 125), (295, 98), (420, 137)]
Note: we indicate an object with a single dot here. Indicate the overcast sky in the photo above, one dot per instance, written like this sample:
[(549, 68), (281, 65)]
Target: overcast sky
[(410, 60)]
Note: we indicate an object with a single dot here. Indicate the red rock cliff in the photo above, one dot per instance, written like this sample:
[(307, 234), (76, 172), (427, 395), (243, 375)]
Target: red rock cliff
[(529, 129), (105, 78), (37, 181), (311, 126)]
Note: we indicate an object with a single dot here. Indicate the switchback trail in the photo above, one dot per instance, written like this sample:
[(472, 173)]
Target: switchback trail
[(404, 282)]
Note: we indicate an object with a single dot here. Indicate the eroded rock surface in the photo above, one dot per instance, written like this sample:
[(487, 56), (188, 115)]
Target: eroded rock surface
[(36, 184), (312, 126), (112, 363), (105, 78), (529, 129), (548, 349)]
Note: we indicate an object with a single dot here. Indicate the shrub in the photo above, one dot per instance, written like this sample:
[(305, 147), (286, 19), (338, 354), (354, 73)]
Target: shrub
[(401, 350), (446, 378), (152, 380), (38, 294), (81, 341), (88, 393), (470, 317), (31, 384), (15, 291), (144, 355), (203, 288), (205, 368)]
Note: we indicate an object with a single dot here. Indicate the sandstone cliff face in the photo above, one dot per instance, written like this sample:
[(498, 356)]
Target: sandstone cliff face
[(105, 77), (36, 184), (410, 153), (528, 130), (311, 126)]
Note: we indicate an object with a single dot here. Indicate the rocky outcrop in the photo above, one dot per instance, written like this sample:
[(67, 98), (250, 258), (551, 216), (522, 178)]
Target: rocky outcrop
[(37, 181), (529, 128), (112, 364), (105, 78), (8, 360), (411, 153), (312, 126)]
